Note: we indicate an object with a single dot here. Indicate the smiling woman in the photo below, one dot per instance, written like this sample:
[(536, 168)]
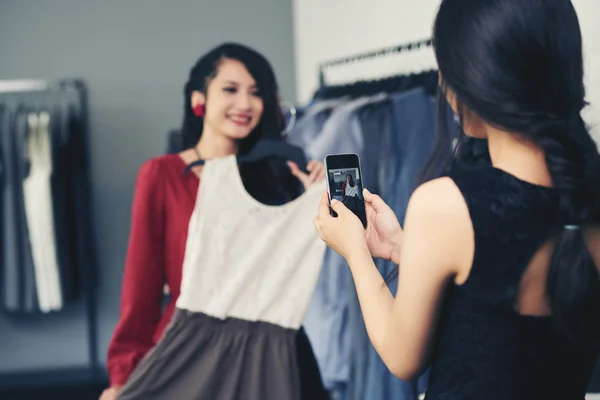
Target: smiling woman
[(232, 327), (235, 104), (231, 102)]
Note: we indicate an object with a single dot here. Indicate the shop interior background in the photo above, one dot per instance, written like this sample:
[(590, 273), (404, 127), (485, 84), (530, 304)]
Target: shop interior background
[(135, 56), (335, 28)]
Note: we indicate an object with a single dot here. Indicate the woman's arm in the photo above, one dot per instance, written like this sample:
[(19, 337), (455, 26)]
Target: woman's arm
[(592, 239), (142, 291), (437, 244), (343, 190)]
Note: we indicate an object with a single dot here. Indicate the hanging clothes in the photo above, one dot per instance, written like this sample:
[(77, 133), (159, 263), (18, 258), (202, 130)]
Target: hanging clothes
[(406, 146), (46, 238), (18, 273), (326, 321), (63, 205), (249, 271), (375, 125), (341, 133), (38, 210), (308, 127), (9, 272), (384, 152), (380, 127), (79, 217)]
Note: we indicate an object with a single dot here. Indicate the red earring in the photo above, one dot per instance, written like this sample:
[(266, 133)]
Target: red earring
[(199, 110)]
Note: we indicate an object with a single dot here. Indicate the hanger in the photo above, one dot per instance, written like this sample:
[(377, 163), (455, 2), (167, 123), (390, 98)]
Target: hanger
[(265, 149), (392, 84), (292, 121), (384, 52)]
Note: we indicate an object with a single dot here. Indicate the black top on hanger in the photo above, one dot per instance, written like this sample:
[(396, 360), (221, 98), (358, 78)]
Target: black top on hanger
[(427, 80), (268, 148)]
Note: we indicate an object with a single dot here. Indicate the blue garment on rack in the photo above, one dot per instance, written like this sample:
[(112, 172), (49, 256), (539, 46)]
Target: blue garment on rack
[(341, 133), (374, 120), (411, 143), (403, 151), (307, 128), (326, 318)]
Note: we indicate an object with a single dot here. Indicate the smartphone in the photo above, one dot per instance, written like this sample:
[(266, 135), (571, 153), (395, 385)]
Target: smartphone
[(344, 183)]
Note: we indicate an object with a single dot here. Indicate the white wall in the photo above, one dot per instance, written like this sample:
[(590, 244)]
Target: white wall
[(333, 28)]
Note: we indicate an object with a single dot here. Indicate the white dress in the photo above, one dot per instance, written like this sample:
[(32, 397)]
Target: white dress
[(248, 275), (37, 192), (351, 191)]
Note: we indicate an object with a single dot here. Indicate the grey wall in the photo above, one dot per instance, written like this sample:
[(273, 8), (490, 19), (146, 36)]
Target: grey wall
[(134, 56)]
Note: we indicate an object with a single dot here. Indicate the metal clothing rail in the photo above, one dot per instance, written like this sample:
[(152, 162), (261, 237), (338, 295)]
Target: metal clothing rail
[(75, 91), (370, 55), (32, 85)]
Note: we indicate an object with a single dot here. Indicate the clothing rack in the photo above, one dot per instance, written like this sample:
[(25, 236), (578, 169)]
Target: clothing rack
[(72, 92), (371, 55)]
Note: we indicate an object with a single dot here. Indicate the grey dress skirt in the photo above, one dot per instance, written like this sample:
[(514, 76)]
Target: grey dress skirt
[(249, 272), (355, 204), (202, 357)]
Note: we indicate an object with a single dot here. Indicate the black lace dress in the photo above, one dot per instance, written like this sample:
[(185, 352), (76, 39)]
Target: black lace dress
[(484, 349)]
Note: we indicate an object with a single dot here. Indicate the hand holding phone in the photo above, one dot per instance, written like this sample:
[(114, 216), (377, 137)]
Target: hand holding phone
[(344, 183)]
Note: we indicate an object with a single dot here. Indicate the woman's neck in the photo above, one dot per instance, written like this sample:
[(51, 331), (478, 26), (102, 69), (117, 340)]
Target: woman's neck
[(518, 156), (212, 145)]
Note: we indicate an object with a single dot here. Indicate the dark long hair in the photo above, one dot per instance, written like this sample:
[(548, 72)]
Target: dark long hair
[(270, 181), (351, 183), (518, 65)]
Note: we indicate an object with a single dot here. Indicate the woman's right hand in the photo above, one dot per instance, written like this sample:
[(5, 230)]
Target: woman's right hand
[(383, 233), (111, 393)]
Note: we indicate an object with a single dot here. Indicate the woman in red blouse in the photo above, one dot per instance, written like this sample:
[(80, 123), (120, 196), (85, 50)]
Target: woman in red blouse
[(230, 102), (349, 181)]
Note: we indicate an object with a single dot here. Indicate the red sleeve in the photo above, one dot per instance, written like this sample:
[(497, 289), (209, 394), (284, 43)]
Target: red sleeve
[(343, 190), (142, 291)]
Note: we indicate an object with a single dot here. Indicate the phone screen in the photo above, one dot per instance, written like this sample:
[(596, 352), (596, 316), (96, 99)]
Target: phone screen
[(345, 183)]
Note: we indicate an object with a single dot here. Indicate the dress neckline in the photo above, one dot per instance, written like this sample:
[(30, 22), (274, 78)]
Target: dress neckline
[(515, 178), (184, 166), (236, 179)]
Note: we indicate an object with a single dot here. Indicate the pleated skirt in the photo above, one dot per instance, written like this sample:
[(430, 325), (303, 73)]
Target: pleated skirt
[(204, 358), (353, 203)]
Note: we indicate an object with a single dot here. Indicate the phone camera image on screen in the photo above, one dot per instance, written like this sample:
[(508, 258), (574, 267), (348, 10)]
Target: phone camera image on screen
[(345, 183)]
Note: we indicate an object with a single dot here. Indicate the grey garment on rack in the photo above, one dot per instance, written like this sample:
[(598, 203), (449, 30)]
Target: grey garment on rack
[(9, 271), (341, 133), (326, 321), (407, 145), (374, 121), (307, 128), (18, 277)]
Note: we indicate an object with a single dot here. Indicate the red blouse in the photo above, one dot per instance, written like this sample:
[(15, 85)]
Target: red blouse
[(163, 202)]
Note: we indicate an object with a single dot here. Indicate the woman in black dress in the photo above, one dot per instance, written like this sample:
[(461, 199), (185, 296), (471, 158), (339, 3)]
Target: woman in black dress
[(498, 284)]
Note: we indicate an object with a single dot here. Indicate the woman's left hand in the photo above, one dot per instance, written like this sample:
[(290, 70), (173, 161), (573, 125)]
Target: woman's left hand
[(316, 172), (344, 234)]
